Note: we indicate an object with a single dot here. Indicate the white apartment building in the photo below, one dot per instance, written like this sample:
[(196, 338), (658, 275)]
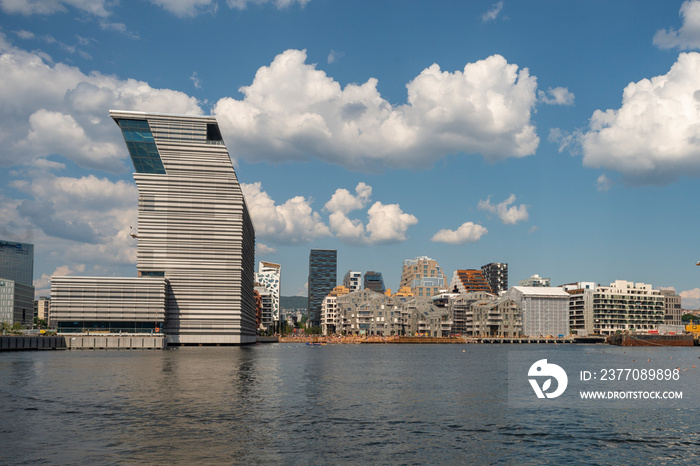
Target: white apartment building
[(536, 280), (270, 275), (329, 310), (353, 281)]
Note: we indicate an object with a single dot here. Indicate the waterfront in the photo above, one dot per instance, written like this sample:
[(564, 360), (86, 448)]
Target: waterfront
[(287, 403)]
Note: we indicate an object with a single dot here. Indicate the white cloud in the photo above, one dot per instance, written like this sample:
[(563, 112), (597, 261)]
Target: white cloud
[(388, 223), (293, 111), (289, 223), (690, 299), (43, 285), (25, 34), (604, 183), (556, 96), (97, 8), (688, 36), (195, 80), (654, 137), (467, 233), (56, 109), (385, 223), (344, 202), (493, 13), (187, 8), (280, 4), (261, 248), (510, 215), (334, 56)]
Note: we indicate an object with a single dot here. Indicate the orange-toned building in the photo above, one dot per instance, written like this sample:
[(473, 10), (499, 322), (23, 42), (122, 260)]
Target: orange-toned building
[(469, 280)]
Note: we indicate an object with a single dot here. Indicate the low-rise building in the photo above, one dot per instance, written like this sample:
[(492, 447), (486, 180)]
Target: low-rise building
[(580, 307), (627, 306), (672, 303), (544, 310), (136, 304)]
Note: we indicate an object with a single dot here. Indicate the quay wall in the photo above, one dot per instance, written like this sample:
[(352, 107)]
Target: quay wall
[(81, 342)]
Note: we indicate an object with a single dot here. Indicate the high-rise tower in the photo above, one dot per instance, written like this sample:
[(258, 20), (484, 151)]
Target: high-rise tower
[(323, 271), (194, 228)]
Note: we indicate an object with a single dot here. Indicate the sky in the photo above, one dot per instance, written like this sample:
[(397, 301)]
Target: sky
[(560, 137)]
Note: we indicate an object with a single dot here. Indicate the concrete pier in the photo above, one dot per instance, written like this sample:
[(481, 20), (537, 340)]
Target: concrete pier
[(112, 341), (82, 342), (21, 343)]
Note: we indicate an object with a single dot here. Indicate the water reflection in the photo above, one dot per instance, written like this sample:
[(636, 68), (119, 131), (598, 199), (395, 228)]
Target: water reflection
[(289, 403)]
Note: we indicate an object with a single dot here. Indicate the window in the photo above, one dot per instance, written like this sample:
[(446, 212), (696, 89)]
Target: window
[(142, 147), (213, 133)]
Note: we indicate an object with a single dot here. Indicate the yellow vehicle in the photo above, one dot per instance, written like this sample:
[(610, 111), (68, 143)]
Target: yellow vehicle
[(694, 329)]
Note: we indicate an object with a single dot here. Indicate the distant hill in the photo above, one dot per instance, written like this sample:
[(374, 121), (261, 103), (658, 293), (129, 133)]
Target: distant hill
[(293, 302)]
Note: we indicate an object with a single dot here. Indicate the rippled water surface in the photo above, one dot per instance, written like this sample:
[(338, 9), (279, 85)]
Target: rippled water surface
[(349, 404)]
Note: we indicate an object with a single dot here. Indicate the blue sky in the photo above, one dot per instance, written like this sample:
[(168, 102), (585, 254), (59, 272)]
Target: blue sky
[(560, 137)]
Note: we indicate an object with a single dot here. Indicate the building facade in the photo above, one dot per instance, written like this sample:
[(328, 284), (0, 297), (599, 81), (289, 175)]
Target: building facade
[(424, 276), (16, 303), (42, 309), (329, 310), (16, 283), (352, 280), (580, 307), (367, 312), (270, 276), (470, 280), (496, 273), (323, 277), (672, 304), (627, 307), (374, 281), (108, 304), (544, 310), (194, 231)]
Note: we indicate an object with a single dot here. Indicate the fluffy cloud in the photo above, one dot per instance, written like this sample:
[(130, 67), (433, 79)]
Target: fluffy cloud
[(294, 111), (388, 223), (261, 248), (690, 298), (654, 137), (467, 233), (556, 96), (292, 222), (43, 285), (688, 36), (510, 215), (385, 223), (51, 109)]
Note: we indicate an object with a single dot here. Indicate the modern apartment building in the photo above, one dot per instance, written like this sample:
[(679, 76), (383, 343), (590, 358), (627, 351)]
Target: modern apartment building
[(194, 231), (323, 277), (623, 306), (374, 281), (270, 276), (264, 303), (367, 312), (329, 310), (352, 280), (42, 309), (16, 283), (496, 273), (580, 307), (536, 280), (470, 280), (424, 276), (672, 304)]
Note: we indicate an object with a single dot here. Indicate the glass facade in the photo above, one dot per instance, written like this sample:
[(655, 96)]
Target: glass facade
[(17, 262), (142, 147), (374, 281), (323, 277)]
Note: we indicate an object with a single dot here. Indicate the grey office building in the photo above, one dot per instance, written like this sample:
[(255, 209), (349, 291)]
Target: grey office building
[(323, 277), (194, 233)]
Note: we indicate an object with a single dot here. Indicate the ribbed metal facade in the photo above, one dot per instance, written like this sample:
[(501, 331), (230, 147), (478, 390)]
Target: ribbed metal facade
[(108, 299), (194, 228)]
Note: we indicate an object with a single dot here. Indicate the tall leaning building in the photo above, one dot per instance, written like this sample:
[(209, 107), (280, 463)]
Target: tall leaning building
[(194, 228)]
